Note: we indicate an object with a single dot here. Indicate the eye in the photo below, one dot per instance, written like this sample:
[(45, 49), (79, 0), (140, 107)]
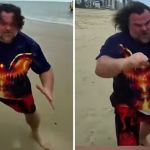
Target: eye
[(147, 23), (138, 25), (2, 23)]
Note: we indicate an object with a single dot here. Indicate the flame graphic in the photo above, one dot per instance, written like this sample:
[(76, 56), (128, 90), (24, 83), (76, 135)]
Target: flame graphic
[(17, 70), (141, 82)]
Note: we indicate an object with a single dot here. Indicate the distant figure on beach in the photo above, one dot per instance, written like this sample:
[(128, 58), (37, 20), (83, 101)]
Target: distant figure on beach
[(19, 53), (71, 6), (125, 58)]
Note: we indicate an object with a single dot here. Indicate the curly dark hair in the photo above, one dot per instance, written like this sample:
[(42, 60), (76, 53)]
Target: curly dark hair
[(121, 18), (18, 18)]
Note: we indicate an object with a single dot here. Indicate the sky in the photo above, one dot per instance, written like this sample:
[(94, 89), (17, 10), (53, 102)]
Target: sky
[(40, 0), (147, 2)]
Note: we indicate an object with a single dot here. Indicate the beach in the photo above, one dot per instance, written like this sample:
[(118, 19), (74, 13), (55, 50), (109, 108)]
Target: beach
[(95, 124), (56, 125)]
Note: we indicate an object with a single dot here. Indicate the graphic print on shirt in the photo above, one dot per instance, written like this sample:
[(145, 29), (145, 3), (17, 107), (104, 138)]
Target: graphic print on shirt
[(139, 80), (14, 83)]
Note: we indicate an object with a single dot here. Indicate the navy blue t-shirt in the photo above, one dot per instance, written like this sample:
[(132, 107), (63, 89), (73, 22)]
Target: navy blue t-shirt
[(16, 59), (131, 88), (24, 44)]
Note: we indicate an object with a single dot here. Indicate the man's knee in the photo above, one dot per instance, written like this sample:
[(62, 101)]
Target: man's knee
[(33, 119)]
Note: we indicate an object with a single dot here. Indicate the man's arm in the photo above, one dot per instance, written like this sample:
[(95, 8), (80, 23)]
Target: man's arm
[(108, 67), (47, 80)]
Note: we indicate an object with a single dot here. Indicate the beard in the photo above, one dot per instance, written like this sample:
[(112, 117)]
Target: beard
[(7, 37), (143, 37)]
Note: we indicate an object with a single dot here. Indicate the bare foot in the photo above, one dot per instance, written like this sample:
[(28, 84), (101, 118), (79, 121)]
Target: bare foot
[(37, 138), (144, 142)]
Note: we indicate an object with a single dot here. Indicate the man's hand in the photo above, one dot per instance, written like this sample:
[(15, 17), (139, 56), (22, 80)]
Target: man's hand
[(47, 80), (136, 61), (47, 94)]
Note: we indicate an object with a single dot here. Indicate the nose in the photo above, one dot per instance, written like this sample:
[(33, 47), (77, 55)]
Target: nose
[(144, 27), (8, 27)]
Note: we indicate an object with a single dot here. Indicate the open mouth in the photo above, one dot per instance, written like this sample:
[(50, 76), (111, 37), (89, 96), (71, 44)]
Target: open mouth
[(8, 34)]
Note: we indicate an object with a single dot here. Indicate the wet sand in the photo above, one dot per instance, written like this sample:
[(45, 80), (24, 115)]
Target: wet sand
[(56, 126), (94, 113)]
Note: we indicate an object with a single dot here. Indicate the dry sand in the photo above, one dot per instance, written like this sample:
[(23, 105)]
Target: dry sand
[(94, 113), (56, 126)]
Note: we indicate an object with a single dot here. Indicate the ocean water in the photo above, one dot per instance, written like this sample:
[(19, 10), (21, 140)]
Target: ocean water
[(52, 12)]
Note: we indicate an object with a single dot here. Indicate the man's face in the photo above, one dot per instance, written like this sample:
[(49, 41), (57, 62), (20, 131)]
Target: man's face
[(139, 26), (8, 28)]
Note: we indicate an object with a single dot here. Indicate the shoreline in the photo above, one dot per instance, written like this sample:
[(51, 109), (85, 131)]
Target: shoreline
[(40, 20), (47, 22)]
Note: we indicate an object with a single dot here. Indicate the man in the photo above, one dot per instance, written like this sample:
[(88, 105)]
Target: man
[(19, 53), (125, 58)]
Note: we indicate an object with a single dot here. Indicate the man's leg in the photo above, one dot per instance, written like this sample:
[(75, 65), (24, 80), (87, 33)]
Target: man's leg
[(144, 131), (33, 121)]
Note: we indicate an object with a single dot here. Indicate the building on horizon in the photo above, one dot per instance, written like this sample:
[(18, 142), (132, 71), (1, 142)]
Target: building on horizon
[(103, 4)]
